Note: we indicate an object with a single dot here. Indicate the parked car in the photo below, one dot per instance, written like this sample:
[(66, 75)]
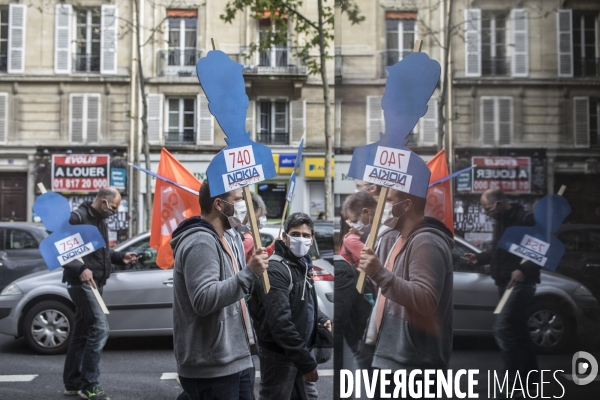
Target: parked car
[(139, 297), (19, 250), (324, 236), (562, 309), (582, 254)]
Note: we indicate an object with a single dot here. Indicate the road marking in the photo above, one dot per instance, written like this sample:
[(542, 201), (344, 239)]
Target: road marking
[(173, 375), (17, 378), (569, 377)]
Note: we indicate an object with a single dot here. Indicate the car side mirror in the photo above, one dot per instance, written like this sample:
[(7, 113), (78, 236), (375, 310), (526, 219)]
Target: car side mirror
[(486, 269)]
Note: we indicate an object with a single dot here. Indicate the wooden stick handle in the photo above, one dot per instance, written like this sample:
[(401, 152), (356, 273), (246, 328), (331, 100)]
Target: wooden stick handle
[(372, 240), (215, 43), (255, 232)]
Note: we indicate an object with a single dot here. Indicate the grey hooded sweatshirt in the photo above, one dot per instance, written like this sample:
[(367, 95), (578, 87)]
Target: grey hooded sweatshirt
[(416, 326), (209, 333)]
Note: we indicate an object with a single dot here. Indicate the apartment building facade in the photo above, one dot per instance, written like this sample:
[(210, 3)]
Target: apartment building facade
[(65, 90), (525, 106), (69, 87)]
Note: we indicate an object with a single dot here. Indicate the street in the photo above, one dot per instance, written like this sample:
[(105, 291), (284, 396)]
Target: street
[(142, 368), (131, 368)]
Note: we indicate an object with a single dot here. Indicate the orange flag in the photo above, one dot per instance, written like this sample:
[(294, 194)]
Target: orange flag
[(439, 197), (171, 206)]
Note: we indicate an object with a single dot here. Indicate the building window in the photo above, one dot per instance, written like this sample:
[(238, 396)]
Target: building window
[(400, 36), (277, 55), (182, 37), (586, 121), (496, 121), (273, 122), (494, 60), (585, 62), (3, 39), (181, 127), (85, 118), (87, 53)]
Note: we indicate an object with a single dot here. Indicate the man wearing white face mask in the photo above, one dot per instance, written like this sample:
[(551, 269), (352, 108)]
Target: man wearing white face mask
[(260, 209), (287, 320), (358, 209)]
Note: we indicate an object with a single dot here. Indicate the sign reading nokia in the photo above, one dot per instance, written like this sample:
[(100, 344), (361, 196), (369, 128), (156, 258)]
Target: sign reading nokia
[(242, 169), (509, 174), (80, 172), (389, 169)]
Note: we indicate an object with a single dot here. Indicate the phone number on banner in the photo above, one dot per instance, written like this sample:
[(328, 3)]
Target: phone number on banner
[(74, 184)]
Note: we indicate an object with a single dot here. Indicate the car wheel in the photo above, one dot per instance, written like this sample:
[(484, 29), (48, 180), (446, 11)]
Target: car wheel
[(550, 327), (47, 327)]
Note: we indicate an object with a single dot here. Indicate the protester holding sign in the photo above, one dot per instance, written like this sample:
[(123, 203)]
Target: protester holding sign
[(210, 319), (82, 364), (510, 326)]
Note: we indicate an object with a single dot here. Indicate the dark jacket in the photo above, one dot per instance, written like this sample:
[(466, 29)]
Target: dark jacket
[(280, 317), (502, 263), (99, 262)]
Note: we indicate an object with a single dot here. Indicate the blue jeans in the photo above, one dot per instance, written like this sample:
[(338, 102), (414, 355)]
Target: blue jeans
[(90, 332), (279, 377), (230, 387), (512, 333)]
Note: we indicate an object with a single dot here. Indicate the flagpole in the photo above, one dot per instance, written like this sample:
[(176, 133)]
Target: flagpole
[(283, 217)]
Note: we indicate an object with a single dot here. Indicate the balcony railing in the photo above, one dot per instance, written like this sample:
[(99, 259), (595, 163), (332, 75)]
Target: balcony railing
[(89, 63), (391, 57), (495, 66), (186, 137), (279, 138), (586, 67), (176, 62), (279, 60)]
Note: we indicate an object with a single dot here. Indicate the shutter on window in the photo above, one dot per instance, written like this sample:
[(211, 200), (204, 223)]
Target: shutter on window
[(504, 121), (429, 123), (62, 39), (297, 121), (155, 111), (473, 42), (77, 118), (487, 121), (16, 38), (92, 122), (565, 43), (108, 40), (206, 125), (250, 118), (3, 117), (374, 118), (520, 28), (581, 121)]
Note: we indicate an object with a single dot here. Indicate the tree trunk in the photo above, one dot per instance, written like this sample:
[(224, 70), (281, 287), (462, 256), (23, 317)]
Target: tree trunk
[(442, 118), (146, 145), (328, 138)]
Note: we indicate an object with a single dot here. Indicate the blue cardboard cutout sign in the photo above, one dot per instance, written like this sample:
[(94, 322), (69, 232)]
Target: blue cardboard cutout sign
[(66, 242), (292, 185), (388, 162), (243, 162), (536, 243)]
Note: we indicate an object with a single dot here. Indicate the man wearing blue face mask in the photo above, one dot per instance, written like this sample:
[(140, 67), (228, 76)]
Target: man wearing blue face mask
[(287, 319)]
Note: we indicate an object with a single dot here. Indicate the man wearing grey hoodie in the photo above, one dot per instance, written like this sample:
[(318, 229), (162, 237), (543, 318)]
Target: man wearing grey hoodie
[(212, 331), (411, 324)]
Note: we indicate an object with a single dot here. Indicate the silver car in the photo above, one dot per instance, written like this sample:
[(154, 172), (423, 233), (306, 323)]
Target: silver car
[(139, 298)]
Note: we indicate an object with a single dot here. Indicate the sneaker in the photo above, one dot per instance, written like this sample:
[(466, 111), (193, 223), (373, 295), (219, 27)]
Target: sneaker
[(70, 391), (95, 393)]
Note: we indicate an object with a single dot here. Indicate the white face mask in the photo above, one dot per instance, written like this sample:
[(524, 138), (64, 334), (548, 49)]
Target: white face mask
[(357, 226), (387, 212), (299, 246), (239, 209), (262, 221), (392, 221)]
